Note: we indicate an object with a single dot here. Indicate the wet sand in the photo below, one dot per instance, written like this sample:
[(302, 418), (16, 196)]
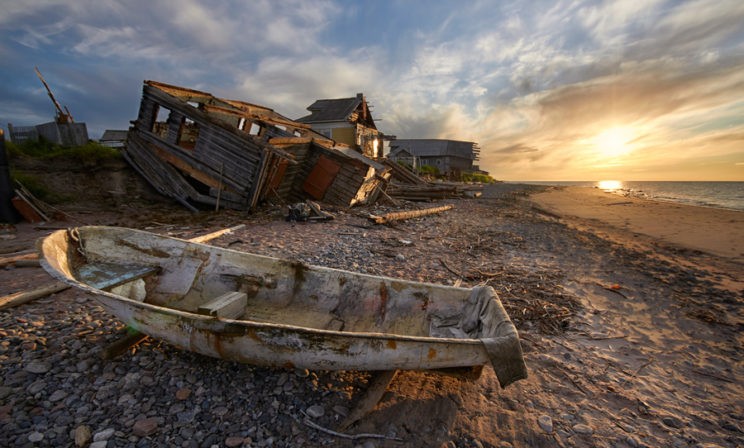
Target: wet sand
[(716, 231)]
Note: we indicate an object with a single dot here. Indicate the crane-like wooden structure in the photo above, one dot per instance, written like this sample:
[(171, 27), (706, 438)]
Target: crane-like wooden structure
[(63, 116)]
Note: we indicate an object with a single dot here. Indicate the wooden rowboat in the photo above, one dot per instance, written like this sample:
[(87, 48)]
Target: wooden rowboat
[(273, 312)]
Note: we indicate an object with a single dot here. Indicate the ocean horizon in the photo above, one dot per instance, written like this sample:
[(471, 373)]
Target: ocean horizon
[(716, 194)]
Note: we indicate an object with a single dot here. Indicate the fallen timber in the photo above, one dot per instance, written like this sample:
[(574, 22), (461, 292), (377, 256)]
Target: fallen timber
[(282, 313), (398, 216)]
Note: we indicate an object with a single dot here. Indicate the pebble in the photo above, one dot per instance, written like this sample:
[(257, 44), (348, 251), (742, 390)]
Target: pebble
[(156, 395), (183, 393), (35, 437), (343, 411), (546, 423), (145, 427), (36, 387), (632, 441), (82, 435), (581, 428), (38, 367), (57, 396), (315, 411), (672, 422), (103, 435), (232, 442)]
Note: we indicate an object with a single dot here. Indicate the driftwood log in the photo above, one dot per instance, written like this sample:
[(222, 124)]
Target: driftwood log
[(20, 298), (15, 259), (398, 216)]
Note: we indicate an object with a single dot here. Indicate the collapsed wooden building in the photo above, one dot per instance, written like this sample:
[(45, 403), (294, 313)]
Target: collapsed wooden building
[(205, 151)]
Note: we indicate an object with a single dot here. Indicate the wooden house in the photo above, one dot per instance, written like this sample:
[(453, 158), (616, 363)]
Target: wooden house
[(114, 138), (348, 121), (209, 151), (450, 157)]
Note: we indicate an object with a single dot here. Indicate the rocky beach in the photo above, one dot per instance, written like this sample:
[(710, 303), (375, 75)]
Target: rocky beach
[(629, 313)]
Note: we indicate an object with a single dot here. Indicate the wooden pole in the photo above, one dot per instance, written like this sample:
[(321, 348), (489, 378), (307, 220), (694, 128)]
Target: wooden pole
[(219, 189)]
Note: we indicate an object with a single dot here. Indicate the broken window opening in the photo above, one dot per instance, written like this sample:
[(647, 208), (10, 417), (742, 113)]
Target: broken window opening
[(241, 123), (297, 133), (255, 129), (188, 133), (160, 123)]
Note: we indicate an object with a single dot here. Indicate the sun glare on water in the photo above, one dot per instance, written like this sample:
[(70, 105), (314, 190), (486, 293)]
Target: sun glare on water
[(609, 185)]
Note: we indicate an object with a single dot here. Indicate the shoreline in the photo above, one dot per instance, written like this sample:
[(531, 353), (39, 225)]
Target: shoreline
[(629, 190), (717, 231)]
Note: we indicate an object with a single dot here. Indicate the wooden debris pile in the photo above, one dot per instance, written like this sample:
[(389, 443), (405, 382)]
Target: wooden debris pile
[(209, 152), (406, 185)]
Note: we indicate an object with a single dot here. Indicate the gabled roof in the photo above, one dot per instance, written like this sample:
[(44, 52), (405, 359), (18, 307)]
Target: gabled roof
[(332, 109), (399, 152), (111, 135)]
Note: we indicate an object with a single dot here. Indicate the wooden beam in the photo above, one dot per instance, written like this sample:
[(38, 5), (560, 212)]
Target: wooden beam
[(14, 259), (376, 388), (397, 216), (20, 298)]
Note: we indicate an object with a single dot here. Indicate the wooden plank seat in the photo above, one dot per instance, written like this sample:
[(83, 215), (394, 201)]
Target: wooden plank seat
[(230, 305), (106, 276)]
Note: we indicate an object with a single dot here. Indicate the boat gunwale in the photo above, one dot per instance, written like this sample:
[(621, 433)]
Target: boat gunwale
[(243, 322), (256, 324)]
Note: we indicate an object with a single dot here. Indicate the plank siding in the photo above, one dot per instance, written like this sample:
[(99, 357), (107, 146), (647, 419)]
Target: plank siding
[(214, 158)]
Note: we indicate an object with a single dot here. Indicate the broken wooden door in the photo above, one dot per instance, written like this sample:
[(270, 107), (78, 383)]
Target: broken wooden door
[(321, 177)]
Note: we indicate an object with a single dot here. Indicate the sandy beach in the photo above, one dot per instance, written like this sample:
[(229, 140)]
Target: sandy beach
[(715, 231), (629, 313)]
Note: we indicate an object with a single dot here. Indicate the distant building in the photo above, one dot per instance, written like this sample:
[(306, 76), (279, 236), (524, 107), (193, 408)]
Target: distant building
[(65, 134), (348, 121), (21, 134), (114, 138), (450, 157)]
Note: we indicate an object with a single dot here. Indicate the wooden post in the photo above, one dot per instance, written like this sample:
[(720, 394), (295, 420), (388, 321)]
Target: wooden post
[(8, 213), (376, 388)]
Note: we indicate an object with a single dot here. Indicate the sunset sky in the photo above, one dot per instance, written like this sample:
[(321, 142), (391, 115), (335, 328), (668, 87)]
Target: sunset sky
[(551, 90)]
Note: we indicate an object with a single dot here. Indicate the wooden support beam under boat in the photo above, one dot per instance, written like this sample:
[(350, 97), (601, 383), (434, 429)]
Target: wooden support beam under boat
[(377, 387)]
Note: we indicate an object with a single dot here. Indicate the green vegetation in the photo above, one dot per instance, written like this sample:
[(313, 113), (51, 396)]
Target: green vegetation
[(477, 177), (429, 170), (37, 187), (89, 154)]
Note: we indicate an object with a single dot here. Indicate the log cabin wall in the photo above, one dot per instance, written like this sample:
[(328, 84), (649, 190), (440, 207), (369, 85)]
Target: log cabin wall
[(200, 149)]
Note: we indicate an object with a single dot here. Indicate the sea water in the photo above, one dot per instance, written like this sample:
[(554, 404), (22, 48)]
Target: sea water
[(728, 195)]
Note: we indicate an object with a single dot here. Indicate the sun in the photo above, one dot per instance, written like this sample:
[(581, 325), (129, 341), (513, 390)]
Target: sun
[(614, 142)]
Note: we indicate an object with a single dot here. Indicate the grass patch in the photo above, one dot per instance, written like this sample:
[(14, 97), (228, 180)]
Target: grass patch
[(89, 154)]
